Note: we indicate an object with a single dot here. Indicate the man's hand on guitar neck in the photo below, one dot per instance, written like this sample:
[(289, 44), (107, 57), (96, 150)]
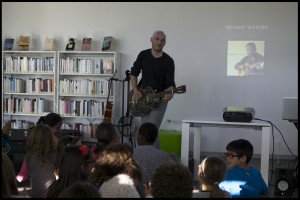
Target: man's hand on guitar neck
[(168, 95)]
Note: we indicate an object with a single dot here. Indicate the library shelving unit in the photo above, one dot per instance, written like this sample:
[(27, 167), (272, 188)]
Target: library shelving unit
[(85, 83), (28, 86)]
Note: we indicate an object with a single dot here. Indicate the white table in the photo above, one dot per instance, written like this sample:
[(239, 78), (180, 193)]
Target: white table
[(197, 122)]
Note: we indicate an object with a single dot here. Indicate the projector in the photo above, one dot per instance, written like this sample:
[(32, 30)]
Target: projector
[(238, 114)]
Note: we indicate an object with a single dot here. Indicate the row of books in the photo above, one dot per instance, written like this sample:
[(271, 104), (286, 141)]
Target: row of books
[(28, 64), (24, 105), (87, 131), (86, 66), (31, 85), (81, 108), (83, 87), (24, 43)]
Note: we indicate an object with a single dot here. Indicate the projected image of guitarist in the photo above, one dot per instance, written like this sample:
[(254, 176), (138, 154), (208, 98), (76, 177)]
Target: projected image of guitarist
[(251, 64), (157, 70)]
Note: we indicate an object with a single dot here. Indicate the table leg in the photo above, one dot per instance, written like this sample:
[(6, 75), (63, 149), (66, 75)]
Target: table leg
[(265, 150), (185, 139)]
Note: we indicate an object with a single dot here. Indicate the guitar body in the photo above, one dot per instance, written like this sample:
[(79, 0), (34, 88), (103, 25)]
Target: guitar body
[(144, 105)]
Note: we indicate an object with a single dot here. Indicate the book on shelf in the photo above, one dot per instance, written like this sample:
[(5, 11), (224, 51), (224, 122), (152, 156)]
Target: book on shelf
[(107, 67), (49, 44), (71, 44), (108, 43), (9, 43), (86, 44), (24, 43)]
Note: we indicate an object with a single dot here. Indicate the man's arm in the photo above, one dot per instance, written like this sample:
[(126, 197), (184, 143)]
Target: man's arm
[(136, 92)]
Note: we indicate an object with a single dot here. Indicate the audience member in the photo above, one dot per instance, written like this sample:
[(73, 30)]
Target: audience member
[(39, 160), (211, 172), (170, 180), (66, 140), (53, 120), (6, 143), (8, 181), (113, 160), (146, 155), (119, 186), (106, 134), (250, 183), (80, 189), (69, 169)]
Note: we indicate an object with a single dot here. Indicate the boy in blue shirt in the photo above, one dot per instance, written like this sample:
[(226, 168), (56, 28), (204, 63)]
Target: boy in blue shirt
[(242, 180)]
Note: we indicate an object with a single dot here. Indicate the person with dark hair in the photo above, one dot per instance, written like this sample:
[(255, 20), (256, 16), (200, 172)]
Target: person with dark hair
[(80, 189), (39, 161), (157, 69), (6, 142), (148, 157), (70, 169), (8, 180), (106, 134), (250, 183), (170, 180), (251, 64), (211, 172), (53, 120)]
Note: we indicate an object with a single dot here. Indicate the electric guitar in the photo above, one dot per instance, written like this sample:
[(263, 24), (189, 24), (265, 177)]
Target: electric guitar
[(141, 107)]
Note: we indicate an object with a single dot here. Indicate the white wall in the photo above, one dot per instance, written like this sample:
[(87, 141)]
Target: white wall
[(197, 40)]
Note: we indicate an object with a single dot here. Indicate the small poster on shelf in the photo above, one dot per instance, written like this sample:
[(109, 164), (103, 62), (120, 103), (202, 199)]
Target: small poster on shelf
[(24, 43), (49, 44), (71, 44), (108, 43), (86, 44)]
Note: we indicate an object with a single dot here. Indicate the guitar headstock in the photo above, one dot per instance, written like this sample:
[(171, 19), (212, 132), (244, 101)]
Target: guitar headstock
[(180, 89)]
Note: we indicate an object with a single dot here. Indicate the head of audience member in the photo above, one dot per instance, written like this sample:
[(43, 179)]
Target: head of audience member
[(147, 134), (69, 169), (80, 189), (239, 153), (66, 140), (113, 160), (119, 186), (8, 181), (211, 172), (53, 120), (172, 180), (106, 134), (40, 143)]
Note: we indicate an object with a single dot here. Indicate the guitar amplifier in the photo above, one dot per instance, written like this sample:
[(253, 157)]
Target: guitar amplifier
[(238, 114)]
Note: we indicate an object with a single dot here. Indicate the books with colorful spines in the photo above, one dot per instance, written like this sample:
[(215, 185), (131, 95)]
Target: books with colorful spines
[(49, 44), (86, 44), (9, 43), (108, 43), (71, 44), (24, 43)]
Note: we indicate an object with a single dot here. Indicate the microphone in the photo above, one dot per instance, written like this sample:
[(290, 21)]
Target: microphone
[(127, 72)]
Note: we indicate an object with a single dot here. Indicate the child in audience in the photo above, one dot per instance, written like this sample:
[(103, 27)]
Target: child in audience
[(146, 155), (211, 172), (106, 134), (53, 120), (119, 186), (39, 161), (66, 140), (80, 189), (114, 159), (69, 169), (8, 180), (250, 183), (170, 180)]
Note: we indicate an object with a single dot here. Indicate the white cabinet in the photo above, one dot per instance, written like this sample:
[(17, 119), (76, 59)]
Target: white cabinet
[(28, 86), (83, 89)]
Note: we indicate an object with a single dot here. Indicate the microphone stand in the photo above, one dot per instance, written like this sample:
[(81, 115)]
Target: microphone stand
[(123, 124)]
